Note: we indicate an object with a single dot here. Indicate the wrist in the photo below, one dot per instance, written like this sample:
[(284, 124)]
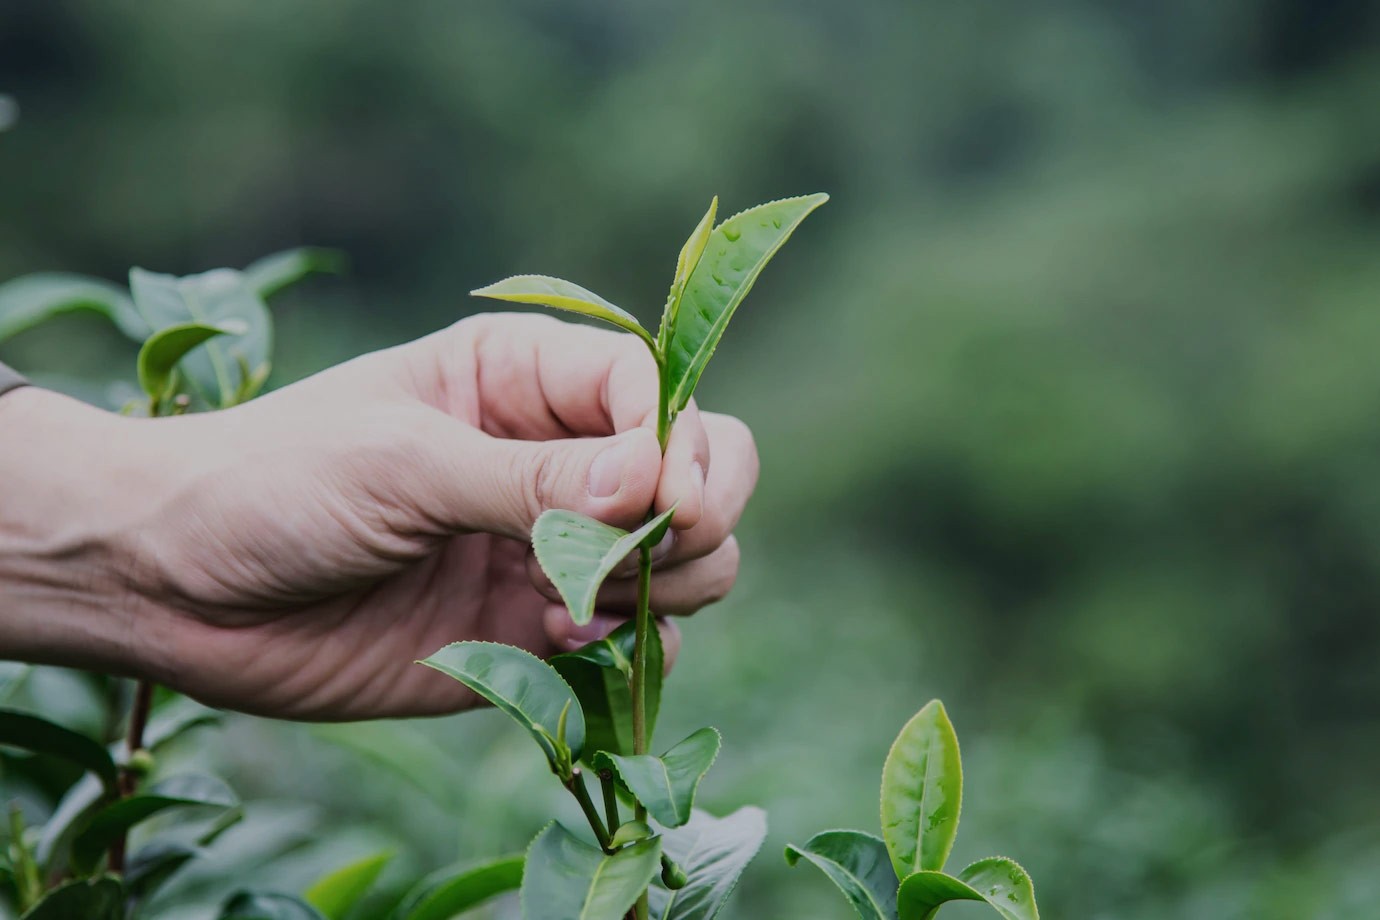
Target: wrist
[(70, 481)]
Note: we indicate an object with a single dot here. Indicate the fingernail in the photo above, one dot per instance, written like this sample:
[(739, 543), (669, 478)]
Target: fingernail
[(606, 472), (597, 628), (697, 477), (663, 549)]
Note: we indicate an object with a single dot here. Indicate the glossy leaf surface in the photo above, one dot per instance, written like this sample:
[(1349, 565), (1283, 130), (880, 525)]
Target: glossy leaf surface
[(522, 685), (31, 733), (568, 879), (272, 273), (335, 893), (159, 356), (83, 899), (31, 300), (577, 553), (152, 866), (222, 371), (599, 674), (562, 295), (188, 790), (666, 785), (689, 257), (997, 880), (713, 852), (250, 905), (734, 257), (922, 792), (858, 864), (445, 894)]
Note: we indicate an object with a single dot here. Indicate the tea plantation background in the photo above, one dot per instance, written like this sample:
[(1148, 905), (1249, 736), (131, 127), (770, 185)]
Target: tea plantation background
[(1068, 403)]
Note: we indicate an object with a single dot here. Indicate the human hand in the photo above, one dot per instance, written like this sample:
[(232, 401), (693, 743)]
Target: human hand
[(292, 557)]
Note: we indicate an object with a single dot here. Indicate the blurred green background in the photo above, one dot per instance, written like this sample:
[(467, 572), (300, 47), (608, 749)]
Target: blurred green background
[(1068, 403)]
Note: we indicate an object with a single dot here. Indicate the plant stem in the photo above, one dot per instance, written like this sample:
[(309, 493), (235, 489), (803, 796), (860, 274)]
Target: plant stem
[(610, 802), (129, 780), (577, 788)]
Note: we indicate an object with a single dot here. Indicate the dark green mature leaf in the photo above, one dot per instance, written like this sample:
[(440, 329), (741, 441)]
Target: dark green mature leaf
[(737, 251), (84, 899), (599, 674), (188, 790), (577, 553), (563, 295), (335, 893), (713, 852), (152, 866), (857, 863), (269, 275), (689, 257), (567, 879), (223, 370), (164, 349), (74, 810), (666, 785), (31, 300), (922, 792), (520, 684), (31, 733), (251, 905), (448, 893), (997, 880)]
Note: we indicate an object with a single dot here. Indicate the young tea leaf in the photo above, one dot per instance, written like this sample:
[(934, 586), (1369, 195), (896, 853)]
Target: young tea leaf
[(31, 733), (630, 832), (31, 300), (567, 879), (188, 790), (563, 295), (577, 553), (713, 852), (689, 257), (922, 792), (335, 893), (253, 905), (599, 674), (269, 275), (88, 899), (997, 880), (666, 785), (520, 684), (164, 349), (448, 893), (734, 257), (857, 863)]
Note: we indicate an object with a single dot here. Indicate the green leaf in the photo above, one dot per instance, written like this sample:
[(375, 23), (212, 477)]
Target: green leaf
[(164, 349), (577, 553), (74, 810), (118, 817), (689, 257), (666, 785), (31, 300), (175, 718), (269, 275), (922, 792), (252, 905), (152, 866), (220, 372), (88, 899), (599, 674), (563, 295), (334, 894), (857, 863), (31, 733), (520, 684), (444, 895), (567, 879), (737, 251), (713, 852), (997, 880)]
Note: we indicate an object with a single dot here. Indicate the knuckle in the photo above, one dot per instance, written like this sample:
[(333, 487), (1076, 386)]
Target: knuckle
[(538, 473)]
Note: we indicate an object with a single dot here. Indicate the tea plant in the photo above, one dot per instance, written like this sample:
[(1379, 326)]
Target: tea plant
[(900, 876)]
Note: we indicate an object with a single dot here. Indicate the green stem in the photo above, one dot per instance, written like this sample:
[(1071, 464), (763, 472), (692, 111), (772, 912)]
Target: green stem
[(576, 785), (610, 801)]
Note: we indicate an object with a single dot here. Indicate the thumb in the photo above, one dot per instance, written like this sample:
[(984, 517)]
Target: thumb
[(501, 486)]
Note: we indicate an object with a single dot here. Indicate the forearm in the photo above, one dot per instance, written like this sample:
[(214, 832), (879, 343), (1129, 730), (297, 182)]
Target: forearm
[(69, 488)]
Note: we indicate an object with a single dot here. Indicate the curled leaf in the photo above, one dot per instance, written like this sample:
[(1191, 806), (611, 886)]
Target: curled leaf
[(999, 881), (563, 295)]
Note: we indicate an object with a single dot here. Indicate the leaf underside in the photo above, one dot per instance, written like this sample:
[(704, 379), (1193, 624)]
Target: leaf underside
[(858, 865), (446, 894), (162, 351), (270, 274), (713, 852), (599, 673), (922, 792), (577, 553), (568, 879), (666, 785), (560, 294), (31, 300), (32, 733), (999, 881)]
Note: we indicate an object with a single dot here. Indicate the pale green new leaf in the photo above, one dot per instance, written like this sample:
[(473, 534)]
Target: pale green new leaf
[(599, 673), (922, 792), (689, 257), (563, 295), (857, 863), (164, 349), (713, 852), (577, 553), (449, 893), (272, 273), (115, 819), (666, 785), (997, 880), (88, 899), (734, 257), (520, 684), (31, 300), (567, 879), (335, 893), (630, 832)]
